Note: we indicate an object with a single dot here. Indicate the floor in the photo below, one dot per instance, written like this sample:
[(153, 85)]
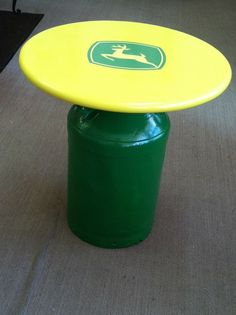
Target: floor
[(187, 266)]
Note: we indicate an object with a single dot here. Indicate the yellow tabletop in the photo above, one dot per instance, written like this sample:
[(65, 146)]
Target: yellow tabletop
[(125, 66)]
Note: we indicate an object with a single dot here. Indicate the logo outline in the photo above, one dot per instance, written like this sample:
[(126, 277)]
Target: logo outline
[(95, 44)]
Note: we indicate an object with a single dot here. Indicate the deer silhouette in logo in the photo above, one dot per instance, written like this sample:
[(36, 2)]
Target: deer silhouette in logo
[(119, 54)]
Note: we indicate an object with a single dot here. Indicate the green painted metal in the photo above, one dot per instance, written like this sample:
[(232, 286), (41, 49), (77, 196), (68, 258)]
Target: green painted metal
[(115, 163)]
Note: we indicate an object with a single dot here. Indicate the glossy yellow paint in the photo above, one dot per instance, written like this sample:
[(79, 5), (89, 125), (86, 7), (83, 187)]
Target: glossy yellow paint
[(56, 61)]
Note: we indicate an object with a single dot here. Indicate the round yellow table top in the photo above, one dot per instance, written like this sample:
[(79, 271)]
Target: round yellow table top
[(125, 66)]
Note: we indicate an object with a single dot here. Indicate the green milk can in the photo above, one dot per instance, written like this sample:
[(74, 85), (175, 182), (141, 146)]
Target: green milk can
[(114, 168)]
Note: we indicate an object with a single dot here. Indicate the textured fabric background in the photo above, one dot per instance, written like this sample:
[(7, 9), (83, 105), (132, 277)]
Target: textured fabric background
[(188, 264)]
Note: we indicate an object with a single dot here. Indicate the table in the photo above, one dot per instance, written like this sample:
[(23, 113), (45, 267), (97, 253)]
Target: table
[(123, 78)]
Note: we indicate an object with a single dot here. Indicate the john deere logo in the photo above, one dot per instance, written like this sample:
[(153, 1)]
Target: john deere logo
[(127, 55)]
